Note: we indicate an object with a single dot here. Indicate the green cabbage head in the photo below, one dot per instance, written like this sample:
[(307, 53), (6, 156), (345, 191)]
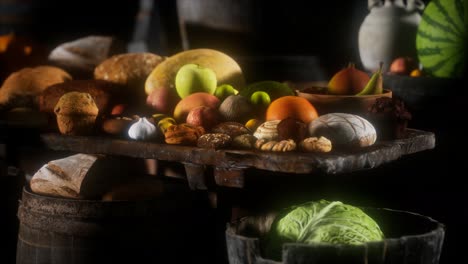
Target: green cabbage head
[(321, 222)]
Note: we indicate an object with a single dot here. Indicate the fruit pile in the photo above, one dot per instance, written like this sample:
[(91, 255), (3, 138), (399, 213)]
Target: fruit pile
[(197, 97), (200, 98)]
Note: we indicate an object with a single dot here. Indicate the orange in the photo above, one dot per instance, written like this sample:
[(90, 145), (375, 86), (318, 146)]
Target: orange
[(293, 107)]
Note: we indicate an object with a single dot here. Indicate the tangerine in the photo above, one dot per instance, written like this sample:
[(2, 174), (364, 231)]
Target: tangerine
[(293, 107)]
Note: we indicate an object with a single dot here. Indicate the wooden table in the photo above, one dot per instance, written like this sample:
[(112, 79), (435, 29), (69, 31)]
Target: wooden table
[(229, 165)]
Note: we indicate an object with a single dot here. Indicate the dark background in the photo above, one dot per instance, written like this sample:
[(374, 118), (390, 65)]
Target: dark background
[(325, 30), (288, 34)]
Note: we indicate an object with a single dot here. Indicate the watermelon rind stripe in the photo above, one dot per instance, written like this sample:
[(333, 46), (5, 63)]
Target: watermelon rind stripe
[(429, 51), (460, 9), (447, 16), (436, 24), (423, 34), (437, 67)]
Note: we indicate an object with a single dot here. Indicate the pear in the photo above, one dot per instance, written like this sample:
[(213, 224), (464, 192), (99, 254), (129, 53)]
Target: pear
[(348, 81)]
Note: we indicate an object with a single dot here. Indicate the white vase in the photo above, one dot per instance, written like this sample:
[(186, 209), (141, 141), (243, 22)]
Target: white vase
[(389, 31)]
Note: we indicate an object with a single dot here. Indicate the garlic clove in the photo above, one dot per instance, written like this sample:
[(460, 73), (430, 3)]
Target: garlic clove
[(142, 130)]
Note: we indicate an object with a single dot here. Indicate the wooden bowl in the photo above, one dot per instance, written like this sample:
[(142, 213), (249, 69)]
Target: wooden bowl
[(353, 104)]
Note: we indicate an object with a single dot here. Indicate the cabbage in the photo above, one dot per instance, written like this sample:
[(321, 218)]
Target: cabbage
[(321, 222)]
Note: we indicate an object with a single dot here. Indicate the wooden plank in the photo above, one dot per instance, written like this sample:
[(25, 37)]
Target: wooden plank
[(335, 162)]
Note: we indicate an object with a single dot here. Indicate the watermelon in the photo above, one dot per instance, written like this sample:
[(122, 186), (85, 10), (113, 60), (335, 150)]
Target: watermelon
[(441, 41)]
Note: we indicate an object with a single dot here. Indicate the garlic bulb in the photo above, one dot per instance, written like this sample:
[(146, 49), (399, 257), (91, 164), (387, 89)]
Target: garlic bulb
[(142, 130)]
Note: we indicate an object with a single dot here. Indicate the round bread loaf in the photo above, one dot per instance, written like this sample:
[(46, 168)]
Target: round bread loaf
[(233, 129), (104, 93), (76, 113), (130, 70), (345, 130), (214, 141), (22, 87)]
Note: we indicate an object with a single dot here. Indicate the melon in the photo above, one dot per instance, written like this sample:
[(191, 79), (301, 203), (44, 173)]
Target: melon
[(441, 41)]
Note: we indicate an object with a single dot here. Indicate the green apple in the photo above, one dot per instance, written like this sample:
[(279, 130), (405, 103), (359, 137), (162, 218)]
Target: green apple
[(225, 90), (192, 78), (260, 99)]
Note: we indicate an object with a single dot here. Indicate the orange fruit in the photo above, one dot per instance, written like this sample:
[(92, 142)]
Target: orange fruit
[(293, 107), (416, 73)]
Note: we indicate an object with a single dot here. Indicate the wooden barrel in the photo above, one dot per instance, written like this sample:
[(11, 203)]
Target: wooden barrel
[(165, 230), (11, 181), (410, 238)]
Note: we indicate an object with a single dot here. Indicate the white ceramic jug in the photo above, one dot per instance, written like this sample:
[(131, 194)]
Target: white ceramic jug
[(389, 31)]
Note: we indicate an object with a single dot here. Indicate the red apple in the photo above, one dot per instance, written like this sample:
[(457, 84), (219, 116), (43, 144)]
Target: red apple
[(403, 65), (204, 116), (184, 106), (163, 99)]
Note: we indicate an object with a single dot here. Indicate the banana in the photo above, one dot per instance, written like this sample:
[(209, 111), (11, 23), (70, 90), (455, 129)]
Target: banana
[(165, 123), (374, 86)]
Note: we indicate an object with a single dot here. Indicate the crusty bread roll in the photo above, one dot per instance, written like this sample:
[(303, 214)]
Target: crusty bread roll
[(267, 130), (83, 53), (345, 130), (104, 93), (129, 70), (63, 177), (76, 113), (22, 87)]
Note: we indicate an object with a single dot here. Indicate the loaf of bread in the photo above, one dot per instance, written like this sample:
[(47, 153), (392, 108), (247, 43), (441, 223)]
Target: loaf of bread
[(245, 141), (268, 130), (76, 113), (22, 87), (344, 130), (82, 54), (214, 141), (63, 177), (233, 129), (85, 176), (129, 70), (105, 94)]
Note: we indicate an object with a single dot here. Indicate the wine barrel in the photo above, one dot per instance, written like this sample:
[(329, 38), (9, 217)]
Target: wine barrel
[(11, 181), (163, 230), (410, 238)]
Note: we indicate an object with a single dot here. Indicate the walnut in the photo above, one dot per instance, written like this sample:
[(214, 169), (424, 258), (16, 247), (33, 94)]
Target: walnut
[(314, 144), (277, 146)]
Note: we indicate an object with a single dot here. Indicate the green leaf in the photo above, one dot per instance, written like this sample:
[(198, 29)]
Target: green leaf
[(321, 222)]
